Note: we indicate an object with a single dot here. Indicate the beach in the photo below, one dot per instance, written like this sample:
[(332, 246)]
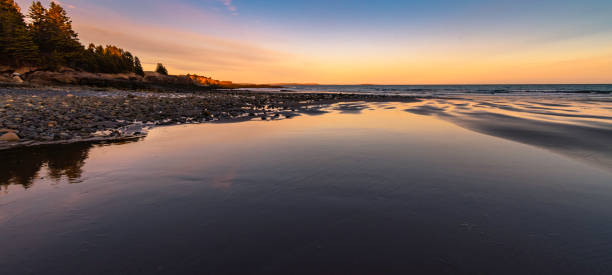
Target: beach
[(305, 137), (466, 184), (67, 115)]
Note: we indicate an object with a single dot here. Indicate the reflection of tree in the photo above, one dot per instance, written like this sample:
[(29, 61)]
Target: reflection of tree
[(22, 166), (70, 162), (21, 170)]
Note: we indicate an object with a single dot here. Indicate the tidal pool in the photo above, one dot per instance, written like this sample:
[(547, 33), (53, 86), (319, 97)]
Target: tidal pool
[(495, 186)]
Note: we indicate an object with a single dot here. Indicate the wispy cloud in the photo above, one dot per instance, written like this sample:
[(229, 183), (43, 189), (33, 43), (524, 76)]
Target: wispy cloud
[(230, 6), (187, 51), (24, 4), (65, 4)]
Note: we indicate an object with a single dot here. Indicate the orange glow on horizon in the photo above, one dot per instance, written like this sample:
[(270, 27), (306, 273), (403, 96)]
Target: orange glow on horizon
[(265, 56)]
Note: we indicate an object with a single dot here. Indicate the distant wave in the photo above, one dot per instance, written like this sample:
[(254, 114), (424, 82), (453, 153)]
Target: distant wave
[(459, 89)]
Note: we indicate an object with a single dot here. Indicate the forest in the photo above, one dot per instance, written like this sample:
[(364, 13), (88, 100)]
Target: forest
[(44, 38)]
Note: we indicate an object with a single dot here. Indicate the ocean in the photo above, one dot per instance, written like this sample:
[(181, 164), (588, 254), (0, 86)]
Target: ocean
[(441, 90)]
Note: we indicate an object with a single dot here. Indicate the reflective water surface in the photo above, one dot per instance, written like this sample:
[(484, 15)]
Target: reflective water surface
[(459, 185)]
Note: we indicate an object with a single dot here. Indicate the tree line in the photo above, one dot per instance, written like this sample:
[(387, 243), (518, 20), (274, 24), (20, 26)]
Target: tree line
[(48, 41)]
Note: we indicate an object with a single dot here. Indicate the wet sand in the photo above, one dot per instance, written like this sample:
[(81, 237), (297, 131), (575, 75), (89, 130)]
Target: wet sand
[(457, 185), (579, 129)]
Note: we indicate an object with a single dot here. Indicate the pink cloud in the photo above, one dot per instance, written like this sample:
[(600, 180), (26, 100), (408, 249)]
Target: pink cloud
[(230, 6)]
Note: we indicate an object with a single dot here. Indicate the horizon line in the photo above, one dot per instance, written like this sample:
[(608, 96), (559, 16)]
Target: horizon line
[(450, 84)]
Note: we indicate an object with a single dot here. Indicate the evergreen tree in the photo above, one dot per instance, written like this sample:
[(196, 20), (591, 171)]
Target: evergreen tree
[(161, 69), (49, 40), (16, 45), (138, 67), (37, 25), (127, 61), (58, 19), (67, 46), (109, 59), (53, 33)]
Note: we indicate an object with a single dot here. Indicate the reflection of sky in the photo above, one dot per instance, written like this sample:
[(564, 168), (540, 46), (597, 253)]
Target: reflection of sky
[(285, 193), (217, 153), (344, 41)]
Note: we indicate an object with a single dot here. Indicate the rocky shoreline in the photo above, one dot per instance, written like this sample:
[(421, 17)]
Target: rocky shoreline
[(31, 117)]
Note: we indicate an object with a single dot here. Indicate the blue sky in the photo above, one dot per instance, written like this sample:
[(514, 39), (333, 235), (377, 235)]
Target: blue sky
[(314, 40)]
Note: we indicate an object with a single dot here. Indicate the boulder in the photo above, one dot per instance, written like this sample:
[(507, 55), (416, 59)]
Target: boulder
[(10, 137), (17, 78)]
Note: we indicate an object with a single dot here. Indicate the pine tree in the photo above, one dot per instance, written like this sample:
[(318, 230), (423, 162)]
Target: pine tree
[(53, 33), (49, 40), (161, 69), (67, 46), (16, 45), (58, 18), (138, 67), (38, 27), (127, 62)]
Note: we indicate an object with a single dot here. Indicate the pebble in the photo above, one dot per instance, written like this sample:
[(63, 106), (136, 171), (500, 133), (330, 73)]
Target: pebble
[(51, 114)]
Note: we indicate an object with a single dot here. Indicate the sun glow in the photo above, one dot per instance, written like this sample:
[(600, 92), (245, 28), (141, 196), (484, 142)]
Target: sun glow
[(520, 42)]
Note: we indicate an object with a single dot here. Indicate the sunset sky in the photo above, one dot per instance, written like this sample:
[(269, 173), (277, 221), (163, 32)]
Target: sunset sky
[(361, 41)]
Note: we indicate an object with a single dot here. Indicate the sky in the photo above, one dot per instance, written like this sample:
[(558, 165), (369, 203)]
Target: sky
[(359, 41)]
